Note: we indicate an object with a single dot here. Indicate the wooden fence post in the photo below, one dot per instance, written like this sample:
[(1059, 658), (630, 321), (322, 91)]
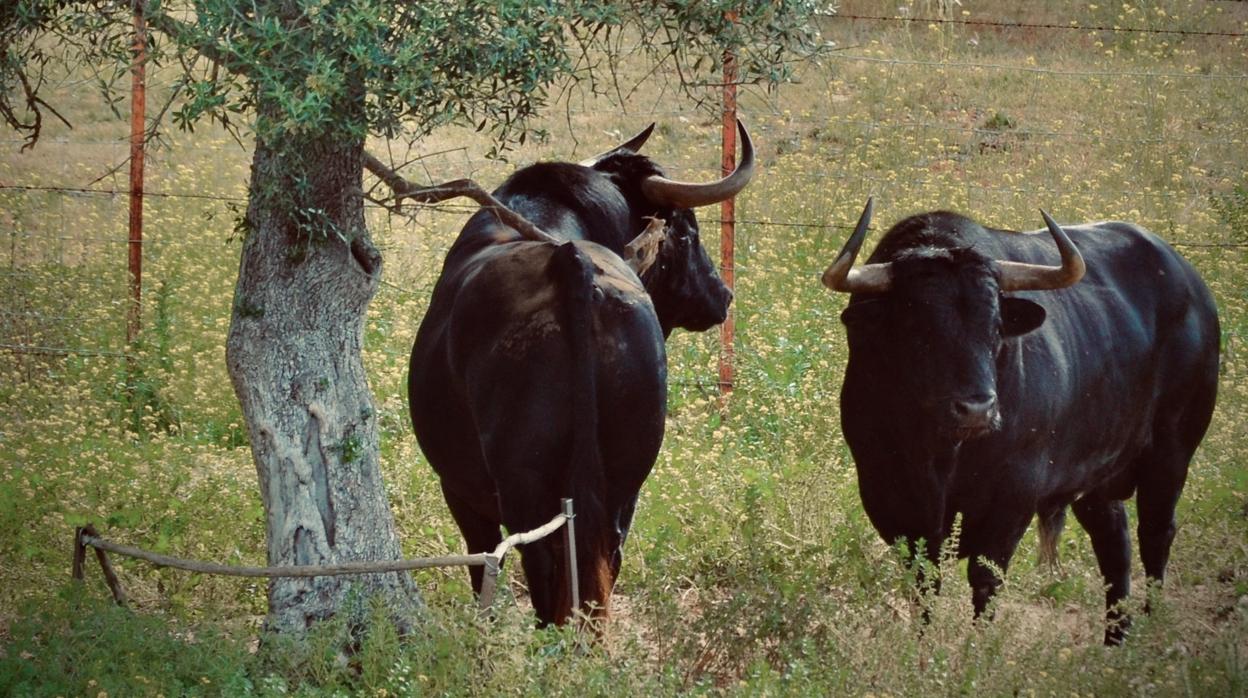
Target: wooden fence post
[(573, 575), (489, 580), (80, 555), (80, 558)]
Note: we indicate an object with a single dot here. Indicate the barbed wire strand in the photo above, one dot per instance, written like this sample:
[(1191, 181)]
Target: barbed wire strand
[(874, 126), (1037, 25)]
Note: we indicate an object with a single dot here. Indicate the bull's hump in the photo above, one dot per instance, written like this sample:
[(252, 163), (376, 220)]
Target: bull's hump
[(559, 221)]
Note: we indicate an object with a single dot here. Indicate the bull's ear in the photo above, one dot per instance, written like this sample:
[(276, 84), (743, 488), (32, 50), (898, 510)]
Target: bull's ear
[(862, 312), (1020, 316)]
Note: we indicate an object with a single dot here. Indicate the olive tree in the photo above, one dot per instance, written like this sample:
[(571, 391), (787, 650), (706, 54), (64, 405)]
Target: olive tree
[(307, 82)]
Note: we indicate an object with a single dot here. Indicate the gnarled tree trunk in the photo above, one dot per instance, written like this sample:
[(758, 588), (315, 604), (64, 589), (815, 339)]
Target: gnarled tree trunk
[(307, 274)]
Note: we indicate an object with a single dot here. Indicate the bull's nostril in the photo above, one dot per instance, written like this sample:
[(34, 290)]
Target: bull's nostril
[(975, 407)]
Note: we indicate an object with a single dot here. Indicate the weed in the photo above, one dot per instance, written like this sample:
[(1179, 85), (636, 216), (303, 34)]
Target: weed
[(998, 122), (82, 646), (351, 448), (142, 405), (1232, 209), (751, 567)]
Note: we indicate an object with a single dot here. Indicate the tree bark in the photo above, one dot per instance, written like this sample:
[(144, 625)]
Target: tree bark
[(307, 273)]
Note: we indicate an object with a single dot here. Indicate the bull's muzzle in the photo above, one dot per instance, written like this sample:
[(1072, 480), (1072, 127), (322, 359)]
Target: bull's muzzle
[(974, 416)]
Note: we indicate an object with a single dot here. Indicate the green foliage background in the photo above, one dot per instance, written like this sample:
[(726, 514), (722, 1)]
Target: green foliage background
[(752, 568)]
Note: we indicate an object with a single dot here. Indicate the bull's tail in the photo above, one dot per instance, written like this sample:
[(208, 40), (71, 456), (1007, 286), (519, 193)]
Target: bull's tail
[(585, 480), (1049, 525)]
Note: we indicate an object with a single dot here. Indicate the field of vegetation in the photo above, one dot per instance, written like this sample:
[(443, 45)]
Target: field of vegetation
[(751, 568)]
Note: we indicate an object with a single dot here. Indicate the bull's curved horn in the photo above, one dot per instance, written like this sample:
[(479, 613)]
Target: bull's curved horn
[(1020, 276), (869, 278), (631, 145), (667, 192)]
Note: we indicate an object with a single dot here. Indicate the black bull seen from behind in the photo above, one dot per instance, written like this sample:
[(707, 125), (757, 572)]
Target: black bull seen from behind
[(539, 371), (991, 379)]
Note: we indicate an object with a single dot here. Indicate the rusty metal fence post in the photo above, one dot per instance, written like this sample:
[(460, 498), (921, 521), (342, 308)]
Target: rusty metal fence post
[(727, 224), (138, 107)]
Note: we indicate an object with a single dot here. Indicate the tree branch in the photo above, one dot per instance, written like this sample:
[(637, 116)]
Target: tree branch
[(182, 32), (403, 189), (35, 105)]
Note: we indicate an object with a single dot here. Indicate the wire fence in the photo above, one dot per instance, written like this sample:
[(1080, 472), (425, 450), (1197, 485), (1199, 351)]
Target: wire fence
[(1072, 26), (1161, 139)]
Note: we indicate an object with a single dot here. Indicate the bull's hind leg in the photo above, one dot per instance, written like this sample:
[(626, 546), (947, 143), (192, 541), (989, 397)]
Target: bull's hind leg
[(1161, 470), (544, 563), (481, 533), (1105, 520), (526, 464), (521, 404), (1160, 483), (1184, 410)]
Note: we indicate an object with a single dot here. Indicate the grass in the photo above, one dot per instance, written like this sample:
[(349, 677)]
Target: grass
[(752, 568)]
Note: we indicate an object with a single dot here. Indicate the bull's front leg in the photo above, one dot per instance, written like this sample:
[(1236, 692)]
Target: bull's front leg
[(989, 544)]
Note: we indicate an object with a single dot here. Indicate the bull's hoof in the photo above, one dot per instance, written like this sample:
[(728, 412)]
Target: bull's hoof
[(1116, 631)]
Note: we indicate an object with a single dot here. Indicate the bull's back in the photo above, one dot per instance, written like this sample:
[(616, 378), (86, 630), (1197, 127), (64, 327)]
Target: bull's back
[(1140, 302), (514, 306), (1129, 350), (500, 356)]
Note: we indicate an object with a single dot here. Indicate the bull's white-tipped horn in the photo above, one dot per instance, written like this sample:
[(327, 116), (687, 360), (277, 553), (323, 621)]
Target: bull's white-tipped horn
[(870, 278), (631, 145), (668, 192), (1020, 276)]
